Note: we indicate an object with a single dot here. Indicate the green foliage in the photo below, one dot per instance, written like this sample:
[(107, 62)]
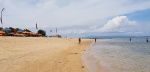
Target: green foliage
[(42, 32), (1, 28), (17, 29), (8, 31), (27, 30), (12, 29)]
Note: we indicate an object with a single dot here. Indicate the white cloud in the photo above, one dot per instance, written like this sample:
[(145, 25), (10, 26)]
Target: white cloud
[(116, 24), (61, 13), (93, 27)]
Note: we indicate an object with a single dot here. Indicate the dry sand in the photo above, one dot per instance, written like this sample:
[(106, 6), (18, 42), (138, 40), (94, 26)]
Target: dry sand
[(31, 54)]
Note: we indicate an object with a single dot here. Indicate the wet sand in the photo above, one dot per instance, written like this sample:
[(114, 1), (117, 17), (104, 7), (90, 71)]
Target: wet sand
[(31, 54), (92, 63)]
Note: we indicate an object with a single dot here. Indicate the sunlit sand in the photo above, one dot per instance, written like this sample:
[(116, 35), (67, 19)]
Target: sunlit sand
[(32, 54)]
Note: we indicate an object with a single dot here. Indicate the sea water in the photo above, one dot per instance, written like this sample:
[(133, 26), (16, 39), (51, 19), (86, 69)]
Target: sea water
[(118, 55)]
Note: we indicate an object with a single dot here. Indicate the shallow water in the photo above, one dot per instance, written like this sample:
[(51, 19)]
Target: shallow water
[(119, 55)]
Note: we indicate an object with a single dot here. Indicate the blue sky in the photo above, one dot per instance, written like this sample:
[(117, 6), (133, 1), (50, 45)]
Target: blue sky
[(79, 17), (142, 16)]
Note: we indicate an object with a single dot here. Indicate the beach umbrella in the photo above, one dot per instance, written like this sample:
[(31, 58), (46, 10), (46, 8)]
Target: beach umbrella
[(39, 34), (2, 32), (32, 33), (21, 35), (25, 32), (15, 34)]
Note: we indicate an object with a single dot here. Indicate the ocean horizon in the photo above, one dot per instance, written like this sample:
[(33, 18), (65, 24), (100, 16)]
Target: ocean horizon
[(110, 37)]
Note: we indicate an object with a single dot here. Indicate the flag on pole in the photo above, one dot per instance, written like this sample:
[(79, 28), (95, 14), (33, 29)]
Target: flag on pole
[(1, 15), (36, 26), (50, 30), (1, 21), (56, 30), (3, 9)]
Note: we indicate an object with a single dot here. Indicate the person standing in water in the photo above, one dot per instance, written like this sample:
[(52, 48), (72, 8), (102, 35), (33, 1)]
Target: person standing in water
[(147, 40), (130, 39), (79, 40)]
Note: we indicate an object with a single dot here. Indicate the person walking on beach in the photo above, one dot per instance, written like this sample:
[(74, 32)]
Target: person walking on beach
[(95, 40), (79, 40)]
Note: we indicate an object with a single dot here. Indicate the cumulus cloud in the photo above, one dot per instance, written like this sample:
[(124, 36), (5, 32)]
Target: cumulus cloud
[(117, 24)]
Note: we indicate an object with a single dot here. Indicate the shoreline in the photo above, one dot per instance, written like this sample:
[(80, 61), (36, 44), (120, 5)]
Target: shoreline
[(21, 54), (92, 63), (117, 55)]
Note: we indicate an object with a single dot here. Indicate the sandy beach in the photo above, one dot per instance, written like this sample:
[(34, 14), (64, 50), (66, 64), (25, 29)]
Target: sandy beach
[(32, 54)]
